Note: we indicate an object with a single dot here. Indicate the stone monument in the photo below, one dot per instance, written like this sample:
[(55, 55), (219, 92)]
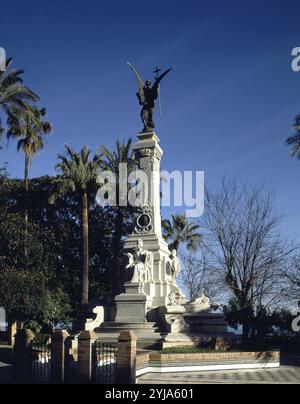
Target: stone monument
[(152, 305)]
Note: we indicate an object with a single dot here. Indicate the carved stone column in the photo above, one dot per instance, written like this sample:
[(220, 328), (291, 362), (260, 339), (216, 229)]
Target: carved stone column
[(148, 220)]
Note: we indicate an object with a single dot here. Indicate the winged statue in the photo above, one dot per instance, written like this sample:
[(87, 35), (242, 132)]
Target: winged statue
[(147, 96)]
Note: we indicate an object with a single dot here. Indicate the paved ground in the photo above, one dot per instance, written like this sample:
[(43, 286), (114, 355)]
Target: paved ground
[(5, 364), (288, 373), (284, 375)]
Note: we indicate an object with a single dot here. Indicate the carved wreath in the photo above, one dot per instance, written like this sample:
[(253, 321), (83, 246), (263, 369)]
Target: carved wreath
[(144, 221)]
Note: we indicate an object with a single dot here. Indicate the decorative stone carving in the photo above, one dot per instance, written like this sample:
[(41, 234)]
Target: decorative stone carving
[(200, 305), (91, 324), (174, 299), (141, 261), (172, 319), (149, 159), (144, 221)]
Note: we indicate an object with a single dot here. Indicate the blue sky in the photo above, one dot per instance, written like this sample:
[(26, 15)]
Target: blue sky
[(228, 105)]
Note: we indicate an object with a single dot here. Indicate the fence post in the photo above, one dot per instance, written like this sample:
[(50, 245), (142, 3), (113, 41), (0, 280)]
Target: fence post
[(23, 341), (86, 340), (58, 356), (12, 331), (126, 358)]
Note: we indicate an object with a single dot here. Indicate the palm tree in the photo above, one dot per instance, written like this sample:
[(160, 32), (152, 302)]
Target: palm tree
[(12, 90), (180, 230), (77, 174), (111, 161), (295, 139), (27, 123)]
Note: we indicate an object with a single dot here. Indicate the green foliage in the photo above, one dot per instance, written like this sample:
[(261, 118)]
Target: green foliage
[(111, 160), (237, 313), (22, 293), (180, 230), (77, 171), (14, 236), (282, 319), (57, 311), (27, 299), (54, 232), (259, 322), (12, 90), (27, 124)]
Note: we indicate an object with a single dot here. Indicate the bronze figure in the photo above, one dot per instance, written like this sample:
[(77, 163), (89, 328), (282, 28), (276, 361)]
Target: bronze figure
[(147, 96)]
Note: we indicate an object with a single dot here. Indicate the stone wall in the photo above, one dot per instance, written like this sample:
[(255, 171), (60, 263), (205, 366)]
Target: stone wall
[(169, 363)]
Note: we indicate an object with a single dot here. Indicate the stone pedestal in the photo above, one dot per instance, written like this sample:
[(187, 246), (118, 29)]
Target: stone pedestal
[(172, 319), (132, 305)]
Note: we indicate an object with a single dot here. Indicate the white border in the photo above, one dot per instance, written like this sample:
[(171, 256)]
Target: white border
[(150, 369)]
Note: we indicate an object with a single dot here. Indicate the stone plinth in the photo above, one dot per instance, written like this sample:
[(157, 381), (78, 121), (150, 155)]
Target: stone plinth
[(172, 319), (132, 305)]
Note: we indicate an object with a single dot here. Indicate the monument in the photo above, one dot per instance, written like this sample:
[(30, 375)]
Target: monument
[(152, 305)]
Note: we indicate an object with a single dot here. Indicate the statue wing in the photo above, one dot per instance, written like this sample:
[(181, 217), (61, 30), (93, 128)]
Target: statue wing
[(141, 83), (159, 79)]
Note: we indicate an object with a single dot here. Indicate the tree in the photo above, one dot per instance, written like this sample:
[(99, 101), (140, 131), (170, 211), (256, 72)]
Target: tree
[(241, 230), (40, 252), (294, 140), (77, 175), (54, 238), (22, 294), (181, 231), (293, 280), (12, 90), (111, 162), (57, 310), (27, 123), (28, 300), (196, 274)]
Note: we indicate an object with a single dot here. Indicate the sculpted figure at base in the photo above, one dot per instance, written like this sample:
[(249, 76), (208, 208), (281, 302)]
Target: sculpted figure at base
[(141, 261), (175, 266), (174, 299)]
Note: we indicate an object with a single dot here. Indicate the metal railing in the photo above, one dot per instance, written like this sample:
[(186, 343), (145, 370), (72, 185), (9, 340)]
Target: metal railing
[(104, 363), (39, 363)]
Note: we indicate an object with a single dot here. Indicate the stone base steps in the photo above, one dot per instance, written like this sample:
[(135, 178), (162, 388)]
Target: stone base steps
[(148, 334)]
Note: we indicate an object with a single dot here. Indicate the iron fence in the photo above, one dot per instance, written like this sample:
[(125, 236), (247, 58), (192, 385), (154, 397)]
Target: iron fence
[(39, 363), (104, 363)]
